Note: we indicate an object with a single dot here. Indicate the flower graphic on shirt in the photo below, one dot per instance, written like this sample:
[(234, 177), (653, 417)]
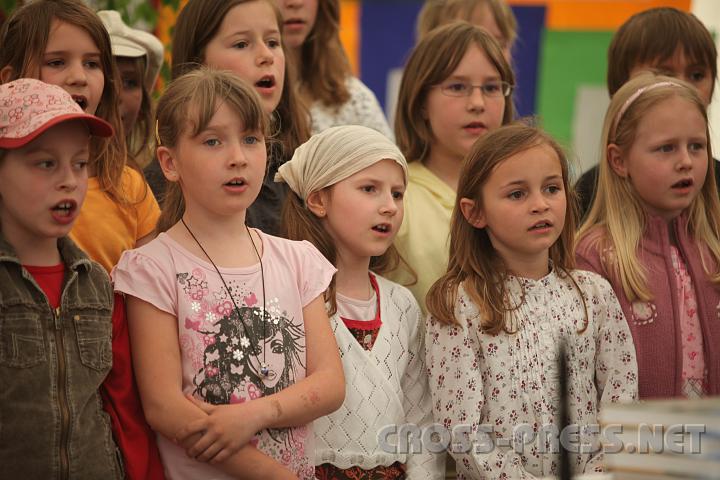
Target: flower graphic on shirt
[(224, 307), (195, 307), (244, 339)]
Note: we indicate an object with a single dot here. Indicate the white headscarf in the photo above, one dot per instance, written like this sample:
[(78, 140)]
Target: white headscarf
[(335, 154)]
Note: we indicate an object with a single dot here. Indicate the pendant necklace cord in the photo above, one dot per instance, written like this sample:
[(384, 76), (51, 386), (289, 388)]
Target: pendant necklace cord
[(264, 369)]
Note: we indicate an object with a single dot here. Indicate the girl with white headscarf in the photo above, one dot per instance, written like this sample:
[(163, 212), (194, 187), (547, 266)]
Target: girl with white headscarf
[(347, 185)]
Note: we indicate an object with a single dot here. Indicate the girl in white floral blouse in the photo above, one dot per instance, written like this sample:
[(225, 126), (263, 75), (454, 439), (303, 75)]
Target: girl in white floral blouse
[(509, 297)]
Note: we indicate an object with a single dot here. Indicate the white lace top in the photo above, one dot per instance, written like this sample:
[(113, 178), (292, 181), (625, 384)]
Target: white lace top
[(362, 108), (511, 380), (383, 386)]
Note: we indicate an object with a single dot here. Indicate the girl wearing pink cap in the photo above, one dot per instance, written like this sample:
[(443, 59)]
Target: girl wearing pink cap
[(59, 325)]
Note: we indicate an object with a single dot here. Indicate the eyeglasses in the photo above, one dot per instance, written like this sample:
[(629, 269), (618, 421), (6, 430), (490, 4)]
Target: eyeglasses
[(492, 89)]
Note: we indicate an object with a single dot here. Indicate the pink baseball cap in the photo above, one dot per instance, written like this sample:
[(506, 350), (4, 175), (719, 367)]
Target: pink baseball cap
[(28, 107)]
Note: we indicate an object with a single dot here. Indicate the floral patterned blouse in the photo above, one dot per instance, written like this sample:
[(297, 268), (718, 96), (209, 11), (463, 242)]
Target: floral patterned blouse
[(507, 384)]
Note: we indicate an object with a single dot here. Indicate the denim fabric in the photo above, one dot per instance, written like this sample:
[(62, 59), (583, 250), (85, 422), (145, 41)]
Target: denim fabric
[(52, 424)]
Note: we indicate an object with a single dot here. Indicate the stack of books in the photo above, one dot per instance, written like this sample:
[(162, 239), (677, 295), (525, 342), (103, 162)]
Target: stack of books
[(662, 439)]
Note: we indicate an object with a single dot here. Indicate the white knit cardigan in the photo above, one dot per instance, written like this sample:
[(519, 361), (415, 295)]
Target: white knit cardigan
[(386, 385)]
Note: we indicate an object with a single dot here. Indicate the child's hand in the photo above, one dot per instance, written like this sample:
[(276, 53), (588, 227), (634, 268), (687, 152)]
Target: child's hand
[(225, 430)]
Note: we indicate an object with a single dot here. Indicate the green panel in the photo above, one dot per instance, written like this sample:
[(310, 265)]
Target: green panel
[(568, 59)]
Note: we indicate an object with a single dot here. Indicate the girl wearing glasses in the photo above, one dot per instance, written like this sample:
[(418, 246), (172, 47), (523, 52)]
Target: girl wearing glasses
[(459, 88)]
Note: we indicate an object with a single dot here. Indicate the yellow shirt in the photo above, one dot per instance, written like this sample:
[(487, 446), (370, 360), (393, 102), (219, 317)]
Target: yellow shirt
[(105, 229), (423, 239)]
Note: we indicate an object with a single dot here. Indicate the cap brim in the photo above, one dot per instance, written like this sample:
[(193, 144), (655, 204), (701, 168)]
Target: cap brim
[(123, 49), (97, 126)]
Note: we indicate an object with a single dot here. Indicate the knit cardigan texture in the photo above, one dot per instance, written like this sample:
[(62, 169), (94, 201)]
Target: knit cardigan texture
[(384, 386), (655, 325)]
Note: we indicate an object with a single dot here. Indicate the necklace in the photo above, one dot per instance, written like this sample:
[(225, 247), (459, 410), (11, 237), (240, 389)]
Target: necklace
[(264, 368)]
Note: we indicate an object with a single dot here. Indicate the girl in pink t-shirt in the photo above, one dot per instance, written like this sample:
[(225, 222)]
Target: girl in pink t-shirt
[(232, 346)]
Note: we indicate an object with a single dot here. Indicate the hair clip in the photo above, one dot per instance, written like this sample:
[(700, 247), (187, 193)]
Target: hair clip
[(157, 133)]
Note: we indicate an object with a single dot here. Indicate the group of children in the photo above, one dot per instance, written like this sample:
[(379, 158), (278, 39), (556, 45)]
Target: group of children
[(258, 325)]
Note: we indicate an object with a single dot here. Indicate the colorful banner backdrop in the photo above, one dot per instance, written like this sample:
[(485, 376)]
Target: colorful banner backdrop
[(559, 58)]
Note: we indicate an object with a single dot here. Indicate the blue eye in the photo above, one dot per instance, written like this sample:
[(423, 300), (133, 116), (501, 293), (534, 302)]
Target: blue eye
[(212, 142), (251, 140)]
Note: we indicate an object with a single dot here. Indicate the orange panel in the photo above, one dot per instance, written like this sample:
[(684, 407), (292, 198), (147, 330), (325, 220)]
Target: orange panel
[(600, 15), (350, 31)]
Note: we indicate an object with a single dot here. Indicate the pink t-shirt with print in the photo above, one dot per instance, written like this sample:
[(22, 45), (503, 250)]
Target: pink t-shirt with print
[(221, 351)]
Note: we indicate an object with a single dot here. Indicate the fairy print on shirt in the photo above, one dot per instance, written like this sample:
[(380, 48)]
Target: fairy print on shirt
[(230, 346)]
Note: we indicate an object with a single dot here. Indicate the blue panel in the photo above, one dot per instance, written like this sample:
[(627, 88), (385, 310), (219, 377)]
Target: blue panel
[(526, 55), (387, 35)]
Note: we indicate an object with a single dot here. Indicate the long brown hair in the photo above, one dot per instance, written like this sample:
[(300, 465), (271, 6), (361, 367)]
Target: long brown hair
[(197, 24), (186, 108), (431, 62), (23, 40), (474, 263), (299, 223), (323, 65)]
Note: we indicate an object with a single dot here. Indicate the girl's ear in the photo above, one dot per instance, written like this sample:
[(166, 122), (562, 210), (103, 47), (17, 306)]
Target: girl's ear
[(616, 159), (6, 74), (472, 213), (166, 159), (317, 203)]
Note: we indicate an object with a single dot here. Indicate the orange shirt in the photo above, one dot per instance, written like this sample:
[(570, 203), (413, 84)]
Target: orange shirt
[(106, 228)]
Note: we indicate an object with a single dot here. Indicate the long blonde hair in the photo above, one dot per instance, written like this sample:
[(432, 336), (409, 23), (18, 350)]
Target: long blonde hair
[(474, 263), (431, 62), (617, 210), (187, 106)]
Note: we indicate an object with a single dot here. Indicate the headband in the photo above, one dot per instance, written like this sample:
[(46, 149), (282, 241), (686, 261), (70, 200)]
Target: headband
[(335, 154), (634, 97)]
